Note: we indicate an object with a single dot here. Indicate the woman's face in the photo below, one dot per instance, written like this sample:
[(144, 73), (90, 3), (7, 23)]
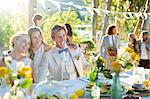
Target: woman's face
[(114, 30), (131, 39), (36, 39), (22, 44)]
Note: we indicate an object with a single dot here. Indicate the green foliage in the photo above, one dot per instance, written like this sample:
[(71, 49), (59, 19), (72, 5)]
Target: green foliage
[(26, 83), (69, 17), (10, 24)]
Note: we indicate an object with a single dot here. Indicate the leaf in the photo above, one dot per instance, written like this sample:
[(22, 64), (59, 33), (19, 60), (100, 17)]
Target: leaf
[(93, 75), (26, 83)]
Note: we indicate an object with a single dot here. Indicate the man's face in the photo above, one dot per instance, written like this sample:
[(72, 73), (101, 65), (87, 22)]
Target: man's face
[(60, 39)]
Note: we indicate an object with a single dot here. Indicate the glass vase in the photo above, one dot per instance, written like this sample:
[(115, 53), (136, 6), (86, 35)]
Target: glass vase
[(116, 88)]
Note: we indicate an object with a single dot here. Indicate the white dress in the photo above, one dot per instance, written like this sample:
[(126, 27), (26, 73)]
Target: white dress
[(16, 65), (37, 59)]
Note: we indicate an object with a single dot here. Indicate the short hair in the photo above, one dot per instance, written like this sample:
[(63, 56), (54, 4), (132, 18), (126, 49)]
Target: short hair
[(110, 28), (144, 33), (56, 29), (69, 28), (35, 18)]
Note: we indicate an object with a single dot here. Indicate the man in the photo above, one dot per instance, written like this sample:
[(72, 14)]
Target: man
[(144, 46), (63, 62), (37, 20)]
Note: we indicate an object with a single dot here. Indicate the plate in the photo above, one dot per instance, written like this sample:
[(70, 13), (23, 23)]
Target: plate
[(140, 90)]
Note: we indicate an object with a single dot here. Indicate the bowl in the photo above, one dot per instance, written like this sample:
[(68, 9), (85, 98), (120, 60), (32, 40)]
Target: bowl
[(138, 86)]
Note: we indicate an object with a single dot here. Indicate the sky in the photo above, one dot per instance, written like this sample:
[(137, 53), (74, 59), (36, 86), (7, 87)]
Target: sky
[(7, 5)]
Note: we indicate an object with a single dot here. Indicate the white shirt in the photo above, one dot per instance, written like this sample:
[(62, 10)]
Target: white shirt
[(69, 71), (111, 40), (16, 65), (38, 57), (144, 54)]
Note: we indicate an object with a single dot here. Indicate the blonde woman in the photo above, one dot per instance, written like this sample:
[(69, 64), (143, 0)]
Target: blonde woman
[(37, 48), (20, 43)]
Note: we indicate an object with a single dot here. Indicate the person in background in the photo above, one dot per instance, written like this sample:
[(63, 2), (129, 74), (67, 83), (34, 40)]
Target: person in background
[(69, 35), (133, 43), (144, 45), (69, 32), (20, 43), (37, 20), (37, 47), (63, 62), (109, 46)]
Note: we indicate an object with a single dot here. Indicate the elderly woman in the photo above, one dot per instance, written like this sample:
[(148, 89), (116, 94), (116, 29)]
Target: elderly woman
[(20, 44), (109, 46), (37, 47)]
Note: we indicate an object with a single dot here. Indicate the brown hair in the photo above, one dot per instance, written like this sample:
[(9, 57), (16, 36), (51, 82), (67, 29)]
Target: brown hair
[(35, 29), (35, 18), (31, 30), (56, 29), (110, 28)]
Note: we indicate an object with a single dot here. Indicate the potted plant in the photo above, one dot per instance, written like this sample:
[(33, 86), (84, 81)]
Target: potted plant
[(112, 51)]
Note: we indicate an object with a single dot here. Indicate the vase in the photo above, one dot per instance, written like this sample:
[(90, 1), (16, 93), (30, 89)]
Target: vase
[(116, 88)]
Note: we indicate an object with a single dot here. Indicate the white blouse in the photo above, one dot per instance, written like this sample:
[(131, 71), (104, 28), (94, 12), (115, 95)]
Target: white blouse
[(16, 65)]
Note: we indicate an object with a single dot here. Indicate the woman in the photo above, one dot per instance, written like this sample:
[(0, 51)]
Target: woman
[(109, 46), (133, 43), (20, 44), (144, 46), (37, 48), (69, 35), (69, 32)]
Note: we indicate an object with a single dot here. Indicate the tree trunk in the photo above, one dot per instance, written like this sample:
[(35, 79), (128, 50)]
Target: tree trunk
[(32, 11), (146, 22), (142, 24), (106, 20), (94, 19)]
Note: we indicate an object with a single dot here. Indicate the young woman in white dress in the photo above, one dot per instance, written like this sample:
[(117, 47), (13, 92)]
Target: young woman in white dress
[(37, 48)]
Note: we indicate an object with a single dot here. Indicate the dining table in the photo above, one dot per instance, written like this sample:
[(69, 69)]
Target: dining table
[(69, 87)]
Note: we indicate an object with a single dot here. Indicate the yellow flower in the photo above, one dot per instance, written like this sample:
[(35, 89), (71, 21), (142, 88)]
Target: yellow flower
[(137, 57), (101, 59), (73, 96), (25, 72), (80, 92), (4, 72), (133, 55), (127, 49), (116, 66)]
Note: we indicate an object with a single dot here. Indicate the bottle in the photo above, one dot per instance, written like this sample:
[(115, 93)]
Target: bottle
[(95, 92)]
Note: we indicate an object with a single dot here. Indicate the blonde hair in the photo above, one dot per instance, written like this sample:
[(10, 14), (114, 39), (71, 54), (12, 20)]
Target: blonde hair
[(16, 37)]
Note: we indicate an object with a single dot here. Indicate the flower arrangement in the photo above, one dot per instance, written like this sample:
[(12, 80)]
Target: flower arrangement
[(99, 68), (126, 60), (15, 80), (112, 51)]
